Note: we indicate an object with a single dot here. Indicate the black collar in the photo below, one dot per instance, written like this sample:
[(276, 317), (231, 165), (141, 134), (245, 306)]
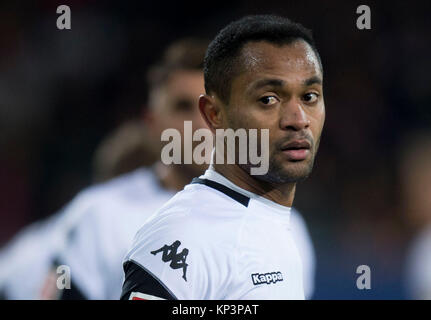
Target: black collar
[(244, 200)]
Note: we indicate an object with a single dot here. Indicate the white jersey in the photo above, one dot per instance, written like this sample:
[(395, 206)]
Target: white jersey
[(27, 258), (91, 235), (99, 241), (305, 247), (214, 240)]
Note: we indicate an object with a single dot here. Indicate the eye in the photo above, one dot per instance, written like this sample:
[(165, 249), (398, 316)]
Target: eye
[(268, 100), (310, 97), (183, 105)]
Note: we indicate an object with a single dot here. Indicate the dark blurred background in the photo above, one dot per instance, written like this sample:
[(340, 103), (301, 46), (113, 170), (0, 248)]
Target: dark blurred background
[(62, 91)]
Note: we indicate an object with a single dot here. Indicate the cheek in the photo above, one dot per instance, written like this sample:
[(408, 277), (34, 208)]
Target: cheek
[(234, 118), (248, 117), (317, 120), (171, 123)]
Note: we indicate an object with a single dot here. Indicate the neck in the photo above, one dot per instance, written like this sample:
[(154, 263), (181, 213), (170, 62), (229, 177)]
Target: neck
[(172, 177), (282, 194)]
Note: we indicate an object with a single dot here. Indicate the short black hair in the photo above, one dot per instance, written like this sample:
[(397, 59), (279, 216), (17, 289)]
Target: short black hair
[(220, 63)]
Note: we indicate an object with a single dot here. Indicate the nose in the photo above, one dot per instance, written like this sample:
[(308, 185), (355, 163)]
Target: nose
[(293, 117)]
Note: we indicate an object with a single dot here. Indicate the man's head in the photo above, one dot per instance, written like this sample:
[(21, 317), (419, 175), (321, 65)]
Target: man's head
[(175, 84), (264, 72)]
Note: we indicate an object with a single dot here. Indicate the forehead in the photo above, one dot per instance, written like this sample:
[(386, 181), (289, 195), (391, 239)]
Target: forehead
[(180, 85), (183, 82), (287, 61)]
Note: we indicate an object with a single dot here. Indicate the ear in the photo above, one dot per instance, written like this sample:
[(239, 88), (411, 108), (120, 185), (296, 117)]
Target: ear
[(211, 111)]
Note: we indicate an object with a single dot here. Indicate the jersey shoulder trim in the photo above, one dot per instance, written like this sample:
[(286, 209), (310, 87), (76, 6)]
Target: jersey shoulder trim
[(139, 280), (244, 200)]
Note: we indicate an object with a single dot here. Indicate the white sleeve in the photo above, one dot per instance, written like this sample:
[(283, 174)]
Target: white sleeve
[(305, 247), (30, 255), (82, 254), (168, 263)]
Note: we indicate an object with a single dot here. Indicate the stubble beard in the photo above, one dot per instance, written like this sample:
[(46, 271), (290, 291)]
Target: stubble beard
[(278, 174)]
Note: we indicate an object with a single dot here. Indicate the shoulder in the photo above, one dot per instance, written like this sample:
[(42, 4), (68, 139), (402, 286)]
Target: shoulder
[(128, 186), (188, 246), (109, 211), (195, 213), (132, 194)]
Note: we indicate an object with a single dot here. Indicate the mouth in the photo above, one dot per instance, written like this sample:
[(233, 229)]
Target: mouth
[(296, 150)]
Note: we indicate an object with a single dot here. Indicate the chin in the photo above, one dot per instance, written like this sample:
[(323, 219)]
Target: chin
[(290, 173)]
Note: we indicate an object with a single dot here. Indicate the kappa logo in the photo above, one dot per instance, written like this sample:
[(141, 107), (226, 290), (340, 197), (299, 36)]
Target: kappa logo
[(268, 278), (178, 260)]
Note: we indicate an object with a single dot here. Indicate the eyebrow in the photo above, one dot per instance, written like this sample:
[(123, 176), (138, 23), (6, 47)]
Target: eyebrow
[(280, 83), (312, 80), (267, 82)]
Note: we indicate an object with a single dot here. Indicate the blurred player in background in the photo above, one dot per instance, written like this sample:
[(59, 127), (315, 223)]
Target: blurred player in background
[(26, 260), (175, 84), (415, 169), (100, 239), (109, 214), (126, 149)]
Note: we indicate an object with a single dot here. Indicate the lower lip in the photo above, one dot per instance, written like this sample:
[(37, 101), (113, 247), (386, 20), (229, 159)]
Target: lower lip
[(296, 154)]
